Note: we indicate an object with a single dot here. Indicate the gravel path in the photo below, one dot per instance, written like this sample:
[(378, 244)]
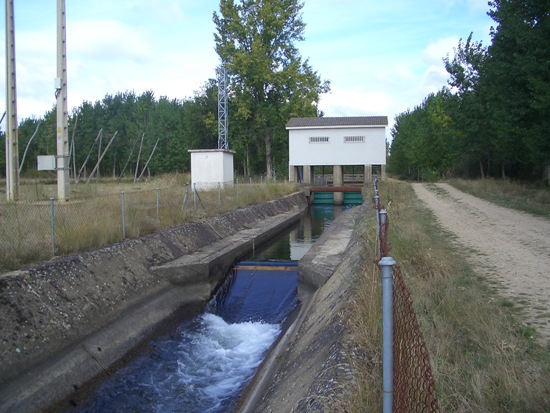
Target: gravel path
[(509, 247)]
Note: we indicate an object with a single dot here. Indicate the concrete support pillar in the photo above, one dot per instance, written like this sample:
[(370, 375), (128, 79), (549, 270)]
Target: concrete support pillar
[(383, 168), (307, 175), (292, 173), (367, 175), (338, 177)]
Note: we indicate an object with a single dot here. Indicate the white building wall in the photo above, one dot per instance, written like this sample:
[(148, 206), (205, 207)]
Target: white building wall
[(336, 152)]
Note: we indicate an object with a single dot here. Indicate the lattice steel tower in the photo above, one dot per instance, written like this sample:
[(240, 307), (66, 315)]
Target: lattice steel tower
[(223, 138)]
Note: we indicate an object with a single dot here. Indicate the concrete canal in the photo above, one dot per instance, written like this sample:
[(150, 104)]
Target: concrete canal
[(204, 364)]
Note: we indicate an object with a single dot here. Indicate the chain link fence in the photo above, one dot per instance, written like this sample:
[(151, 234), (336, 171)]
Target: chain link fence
[(37, 231), (413, 382)]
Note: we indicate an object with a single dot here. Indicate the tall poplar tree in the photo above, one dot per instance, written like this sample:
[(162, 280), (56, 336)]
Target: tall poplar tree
[(269, 82), (518, 74)]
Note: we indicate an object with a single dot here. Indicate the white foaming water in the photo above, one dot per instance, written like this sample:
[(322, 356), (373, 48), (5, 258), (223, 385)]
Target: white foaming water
[(200, 369), (218, 358)]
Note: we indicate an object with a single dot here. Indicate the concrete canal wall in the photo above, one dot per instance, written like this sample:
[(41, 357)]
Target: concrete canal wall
[(67, 321)]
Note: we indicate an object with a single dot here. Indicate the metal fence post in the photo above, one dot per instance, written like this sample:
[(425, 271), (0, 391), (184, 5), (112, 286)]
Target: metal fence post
[(237, 189), (383, 217), (158, 190), (376, 208), (195, 195), (386, 265), (219, 195), (122, 201), (184, 203), (382, 235), (52, 221)]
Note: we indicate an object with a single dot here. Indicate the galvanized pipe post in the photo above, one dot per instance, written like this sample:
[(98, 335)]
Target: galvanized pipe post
[(52, 222), (386, 265), (123, 202), (184, 203), (195, 195), (158, 190), (376, 206), (383, 220)]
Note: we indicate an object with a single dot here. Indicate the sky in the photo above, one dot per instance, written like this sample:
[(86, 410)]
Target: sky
[(381, 57)]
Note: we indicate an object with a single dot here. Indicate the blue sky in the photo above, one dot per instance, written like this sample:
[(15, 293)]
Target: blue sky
[(381, 57)]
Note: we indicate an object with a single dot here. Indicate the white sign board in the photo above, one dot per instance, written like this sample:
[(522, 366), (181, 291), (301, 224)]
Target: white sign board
[(45, 163)]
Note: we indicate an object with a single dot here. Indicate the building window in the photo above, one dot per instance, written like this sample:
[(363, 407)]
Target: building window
[(318, 139), (354, 139)]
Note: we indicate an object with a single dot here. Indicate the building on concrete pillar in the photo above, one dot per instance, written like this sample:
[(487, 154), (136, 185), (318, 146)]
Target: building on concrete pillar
[(350, 146), (368, 173), (307, 178), (338, 180)]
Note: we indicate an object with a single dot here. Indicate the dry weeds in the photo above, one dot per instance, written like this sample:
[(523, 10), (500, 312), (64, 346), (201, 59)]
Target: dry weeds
[(482, 358)]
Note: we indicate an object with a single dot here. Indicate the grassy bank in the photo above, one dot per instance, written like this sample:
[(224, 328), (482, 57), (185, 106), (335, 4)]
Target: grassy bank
[(92, 218), (482, 358), (523, 197)]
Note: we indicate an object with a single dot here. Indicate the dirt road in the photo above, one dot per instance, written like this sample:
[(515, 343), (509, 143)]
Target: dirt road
[(509, 247)]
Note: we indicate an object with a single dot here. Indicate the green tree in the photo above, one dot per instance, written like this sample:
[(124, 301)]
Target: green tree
[(470, 114), (423, 139), (256, 40), (518, 78), (200, 117)]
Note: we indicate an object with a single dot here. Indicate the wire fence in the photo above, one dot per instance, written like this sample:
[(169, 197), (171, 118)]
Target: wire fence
[(37, 231), (413, 382)]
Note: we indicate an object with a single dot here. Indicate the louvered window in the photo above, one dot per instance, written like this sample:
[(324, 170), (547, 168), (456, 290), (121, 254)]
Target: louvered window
[(354, 139), (319, 139)]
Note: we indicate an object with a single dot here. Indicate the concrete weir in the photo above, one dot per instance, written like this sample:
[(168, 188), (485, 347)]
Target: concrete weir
[(66, 322)]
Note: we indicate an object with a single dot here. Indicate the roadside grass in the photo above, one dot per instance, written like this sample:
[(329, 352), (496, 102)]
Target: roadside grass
[(523, 197), (92, 218), (483, 358)]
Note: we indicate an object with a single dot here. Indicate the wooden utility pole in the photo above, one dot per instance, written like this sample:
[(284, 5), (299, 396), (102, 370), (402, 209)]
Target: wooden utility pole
[(62, 163), (12, 151)]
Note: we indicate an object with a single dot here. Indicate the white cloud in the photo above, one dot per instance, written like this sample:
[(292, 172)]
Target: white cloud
[(107, 40), (381, 58), (354, 102), (169, 11), (436, 51)]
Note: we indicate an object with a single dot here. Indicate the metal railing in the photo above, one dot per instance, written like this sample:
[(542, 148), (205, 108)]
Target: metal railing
[(408, 383)]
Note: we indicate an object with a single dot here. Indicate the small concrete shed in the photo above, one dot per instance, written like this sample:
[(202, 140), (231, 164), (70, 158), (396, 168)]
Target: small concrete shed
[(210, 168)]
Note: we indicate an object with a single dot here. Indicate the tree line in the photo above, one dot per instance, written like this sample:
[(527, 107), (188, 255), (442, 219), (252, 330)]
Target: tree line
[(268, 82), (139, 122), (493, 118)]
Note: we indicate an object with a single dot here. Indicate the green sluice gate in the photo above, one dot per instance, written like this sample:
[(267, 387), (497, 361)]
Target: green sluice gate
[(353, 198), (350, 198), (323, 198)]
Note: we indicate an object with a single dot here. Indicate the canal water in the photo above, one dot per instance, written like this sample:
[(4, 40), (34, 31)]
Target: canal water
[(205, 364)]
